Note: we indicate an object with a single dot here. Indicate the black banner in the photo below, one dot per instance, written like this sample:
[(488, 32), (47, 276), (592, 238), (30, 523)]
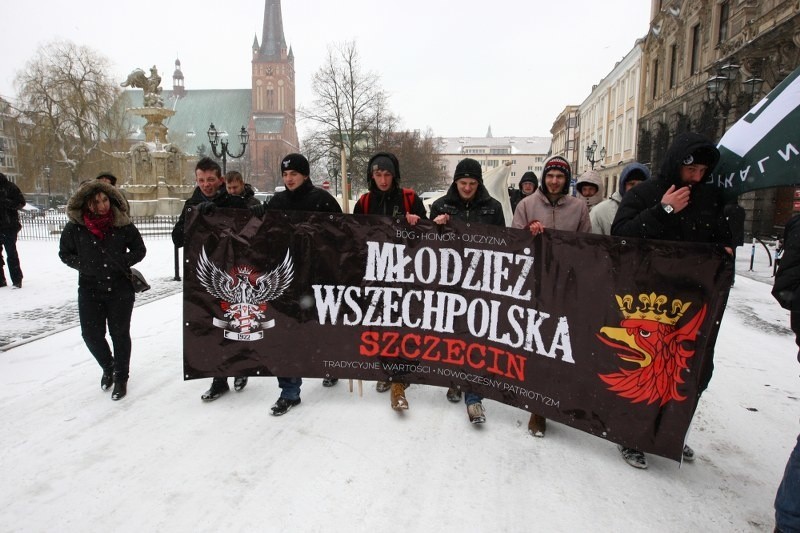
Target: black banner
[(611, 336)]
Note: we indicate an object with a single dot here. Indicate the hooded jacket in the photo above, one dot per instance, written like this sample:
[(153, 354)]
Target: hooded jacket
[(517, 195), (391, 202), (591, 177), (568, 213), (221, 199), (482, 209), (11, 201), (100, 270), (640, 213), (602, 216), (306, 197)]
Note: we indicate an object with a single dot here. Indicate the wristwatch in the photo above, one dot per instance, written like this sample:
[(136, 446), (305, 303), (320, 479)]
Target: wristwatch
[(668, 209)]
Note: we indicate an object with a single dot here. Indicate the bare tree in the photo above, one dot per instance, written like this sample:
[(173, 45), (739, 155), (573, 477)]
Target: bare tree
[(421, 165), (347, 102), (72, 104)]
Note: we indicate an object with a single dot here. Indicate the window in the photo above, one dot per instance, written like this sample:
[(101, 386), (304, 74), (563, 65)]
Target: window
[(655, 79), (673, 65), (724, 15), (695, 61)]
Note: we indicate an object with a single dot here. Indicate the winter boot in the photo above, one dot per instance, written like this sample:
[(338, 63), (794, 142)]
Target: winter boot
[(120, 390), (239, 383), (329, 382), (688, 453), (476, 413), (382, 386), (398, 398), (537, 425), (453, 394), (219, 386), (107, 380), (283, 405), (635, 458)]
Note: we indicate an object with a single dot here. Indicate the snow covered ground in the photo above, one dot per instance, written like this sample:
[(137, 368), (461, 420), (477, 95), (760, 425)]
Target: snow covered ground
[(161, 460)]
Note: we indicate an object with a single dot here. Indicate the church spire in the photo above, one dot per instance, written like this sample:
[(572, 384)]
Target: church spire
[(273, 43)]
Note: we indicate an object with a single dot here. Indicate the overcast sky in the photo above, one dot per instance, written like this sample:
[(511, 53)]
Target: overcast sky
[(456, 67)]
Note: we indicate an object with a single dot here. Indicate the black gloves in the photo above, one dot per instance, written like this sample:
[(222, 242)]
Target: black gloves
[(207, 208), (258, 210)]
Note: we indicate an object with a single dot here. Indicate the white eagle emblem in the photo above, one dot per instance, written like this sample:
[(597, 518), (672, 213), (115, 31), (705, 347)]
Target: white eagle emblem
[(244, 302)]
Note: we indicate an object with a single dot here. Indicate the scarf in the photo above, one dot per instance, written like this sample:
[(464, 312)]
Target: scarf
[(99, 225)]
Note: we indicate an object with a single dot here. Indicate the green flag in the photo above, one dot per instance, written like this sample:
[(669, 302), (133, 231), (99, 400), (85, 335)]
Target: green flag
[(763, 148)]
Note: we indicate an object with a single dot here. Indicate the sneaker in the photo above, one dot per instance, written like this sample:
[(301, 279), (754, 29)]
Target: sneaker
[(398, 399), (107, 380), (329, 382), (17, 285), (476, 413), (283, 405), (120, 390), (688, 453), (239, 383), (635, 458), (537, 425), (219, 386), (382, 386), (454, 394)]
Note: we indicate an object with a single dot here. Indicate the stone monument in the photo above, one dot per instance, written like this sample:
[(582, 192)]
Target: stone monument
[(157, 173)]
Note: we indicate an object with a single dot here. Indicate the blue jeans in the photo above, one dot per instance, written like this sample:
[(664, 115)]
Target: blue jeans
[(787, 501), (471, 397), (8, 240), (290, 388)]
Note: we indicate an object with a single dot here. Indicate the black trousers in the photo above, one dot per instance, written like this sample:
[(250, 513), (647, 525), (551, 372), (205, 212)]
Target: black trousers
[(96, 309)]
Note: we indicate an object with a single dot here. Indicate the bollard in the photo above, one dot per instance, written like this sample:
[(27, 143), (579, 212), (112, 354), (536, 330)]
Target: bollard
[(177, 265), (752, 254)]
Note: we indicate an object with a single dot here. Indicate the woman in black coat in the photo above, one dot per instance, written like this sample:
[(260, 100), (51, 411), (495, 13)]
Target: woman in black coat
[(101, 243)]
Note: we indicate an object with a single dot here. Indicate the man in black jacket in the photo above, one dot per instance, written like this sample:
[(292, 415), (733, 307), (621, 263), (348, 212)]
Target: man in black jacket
[(677, 206), (210, 190), (300, 195), (11, 201), (787, 292), (468, 200), (387, 198)]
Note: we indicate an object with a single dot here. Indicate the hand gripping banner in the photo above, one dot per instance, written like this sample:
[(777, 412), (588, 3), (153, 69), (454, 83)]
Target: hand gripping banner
[(611, 336)]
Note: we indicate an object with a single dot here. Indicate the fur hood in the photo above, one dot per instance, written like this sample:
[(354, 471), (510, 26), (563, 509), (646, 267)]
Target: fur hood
[(80, 201)]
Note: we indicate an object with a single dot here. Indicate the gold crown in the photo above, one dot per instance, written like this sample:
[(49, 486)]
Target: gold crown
[(651, 308)]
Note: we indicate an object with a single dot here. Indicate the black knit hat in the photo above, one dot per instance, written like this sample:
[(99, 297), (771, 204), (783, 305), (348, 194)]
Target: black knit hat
[(109, 176), (529, 177), (702, 156), (382, 162), (468, 168), (296, 162)]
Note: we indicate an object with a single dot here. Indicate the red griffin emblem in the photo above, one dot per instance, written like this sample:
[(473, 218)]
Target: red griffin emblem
[(649, 339)]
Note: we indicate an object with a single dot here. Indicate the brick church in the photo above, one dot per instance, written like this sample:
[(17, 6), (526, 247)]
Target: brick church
[(266, 110)]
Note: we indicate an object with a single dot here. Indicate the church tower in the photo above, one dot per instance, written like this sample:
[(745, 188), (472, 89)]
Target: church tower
[(178, 89), (272, 129)]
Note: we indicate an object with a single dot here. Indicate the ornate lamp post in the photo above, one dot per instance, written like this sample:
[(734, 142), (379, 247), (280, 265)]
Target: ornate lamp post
[(717, 86), (214, 138), (590, 151)]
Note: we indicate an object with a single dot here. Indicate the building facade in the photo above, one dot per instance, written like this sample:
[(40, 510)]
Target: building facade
[(273, 132), (704, 64), (608, 120), (524, 153), (566, 132), (8, 142)]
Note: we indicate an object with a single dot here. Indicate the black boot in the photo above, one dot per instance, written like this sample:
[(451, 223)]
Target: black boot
[(219, 386), (120, 390), (107, 380)]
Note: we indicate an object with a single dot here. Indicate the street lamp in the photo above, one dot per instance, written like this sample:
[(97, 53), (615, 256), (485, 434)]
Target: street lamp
[(214, 138), (718, 85), (590, 151)]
